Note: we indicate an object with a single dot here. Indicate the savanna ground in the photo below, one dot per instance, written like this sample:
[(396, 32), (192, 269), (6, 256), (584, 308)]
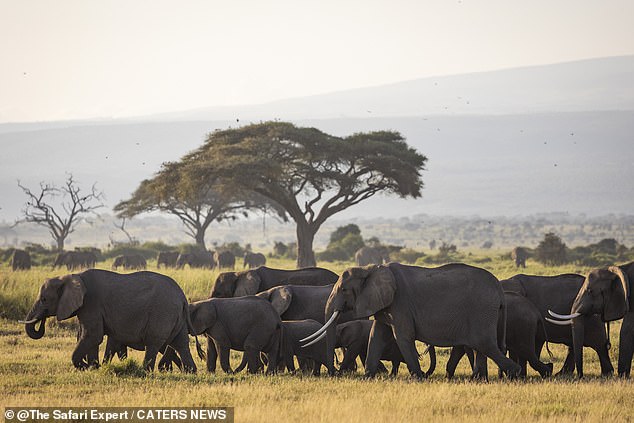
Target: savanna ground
[(40, 373)]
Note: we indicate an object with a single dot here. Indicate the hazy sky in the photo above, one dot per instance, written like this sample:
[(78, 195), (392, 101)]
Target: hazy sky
[(78, 59)]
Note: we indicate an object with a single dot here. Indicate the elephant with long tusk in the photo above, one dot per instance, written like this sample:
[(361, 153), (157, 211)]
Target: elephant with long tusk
[(417, 303), (605, 293)]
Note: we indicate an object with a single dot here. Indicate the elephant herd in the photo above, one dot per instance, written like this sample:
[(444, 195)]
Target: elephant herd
[(275, 316), (73, 260)]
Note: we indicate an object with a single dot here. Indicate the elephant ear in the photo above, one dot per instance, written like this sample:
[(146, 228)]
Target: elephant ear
[(617, 303), (280, 299), (202, 315), (248, 283), (377, 291), (73, 291)]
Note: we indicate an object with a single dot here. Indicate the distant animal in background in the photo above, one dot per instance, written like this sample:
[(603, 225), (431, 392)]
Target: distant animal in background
[(130, 262), (20, 260), (75, 260), (167, 259), (225, 259), (371, 255), (252, 260), (196, 259), (519, 255)]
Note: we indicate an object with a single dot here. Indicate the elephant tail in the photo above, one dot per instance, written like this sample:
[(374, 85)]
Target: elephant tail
[(199, 349), (502, 325)]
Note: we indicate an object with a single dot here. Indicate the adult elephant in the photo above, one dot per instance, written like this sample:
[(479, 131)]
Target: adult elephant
[(253, 260), (519, 256), (455, 304), (144, 310), (166, 258), (371, 255), (75, 260), (558, 293), (225, 259), (196, 259), (130, 262), (20, 260), (250, 282), (605, 294)]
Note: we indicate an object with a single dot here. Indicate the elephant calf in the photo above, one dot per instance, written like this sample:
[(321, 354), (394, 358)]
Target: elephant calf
[(130, 262), (248, 324), (354, 336), (294, 331)]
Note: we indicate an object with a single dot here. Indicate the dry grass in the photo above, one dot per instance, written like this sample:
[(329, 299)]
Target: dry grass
[(39, 373)]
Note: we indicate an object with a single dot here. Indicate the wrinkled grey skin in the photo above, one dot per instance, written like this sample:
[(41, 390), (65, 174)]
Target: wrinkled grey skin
[(519, 256), (225, 259), (250, 282), (144, 310), (354, 336), (167, 259), (130, 262), (605, 293), (451, 305), (198, 259), (557, 293), (371, 255), (75, 260), (253, 260), (248, 324), (525, 335), (20, 260)]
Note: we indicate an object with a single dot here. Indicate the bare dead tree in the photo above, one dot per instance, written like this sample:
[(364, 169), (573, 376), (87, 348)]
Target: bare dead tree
[(121, 227), (59, 217)]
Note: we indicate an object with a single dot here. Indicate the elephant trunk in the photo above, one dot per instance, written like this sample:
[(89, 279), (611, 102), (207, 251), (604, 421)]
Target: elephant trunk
[(331, 334), (578, 327), (29, 325)]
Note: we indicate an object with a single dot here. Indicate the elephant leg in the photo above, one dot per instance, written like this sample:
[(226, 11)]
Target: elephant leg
[(149, 360), (242, 364), (455, 355), (112, 347), (348, 362), (407, 346), (212, 355), (481, 371), (490, 349), (93, 357), (626, 345), (316, 368), (253, 360), (432, 361), (224, 355), (395, 365), (568, 368), (379, 333), (180, 344), (85, 348)]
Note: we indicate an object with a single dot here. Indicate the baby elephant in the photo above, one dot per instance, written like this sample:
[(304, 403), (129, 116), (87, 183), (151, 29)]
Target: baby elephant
[(294, 331), (248, 324), (353, 337)]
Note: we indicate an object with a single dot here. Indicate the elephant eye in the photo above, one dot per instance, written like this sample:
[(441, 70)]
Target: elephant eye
[(43, 299)]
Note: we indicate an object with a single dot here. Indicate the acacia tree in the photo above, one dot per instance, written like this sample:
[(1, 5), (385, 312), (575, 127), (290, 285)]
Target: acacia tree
[(196, 202), (59, 209), (310, 174)]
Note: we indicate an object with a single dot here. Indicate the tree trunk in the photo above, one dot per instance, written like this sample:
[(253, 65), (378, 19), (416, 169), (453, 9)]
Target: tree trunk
[(305, 253), (60, 244), (200, 238)]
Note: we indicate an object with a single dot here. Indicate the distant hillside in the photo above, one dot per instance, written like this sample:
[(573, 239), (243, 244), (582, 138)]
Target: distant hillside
[(596, 84), (487, 165)]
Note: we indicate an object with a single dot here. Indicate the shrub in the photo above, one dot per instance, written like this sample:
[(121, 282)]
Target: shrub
[(551, 250), (406, 255)]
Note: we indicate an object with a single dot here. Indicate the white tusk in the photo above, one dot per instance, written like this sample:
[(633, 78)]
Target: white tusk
[(314, 341), (28, 322), (323, 328), (559, 322), (563, 316)]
